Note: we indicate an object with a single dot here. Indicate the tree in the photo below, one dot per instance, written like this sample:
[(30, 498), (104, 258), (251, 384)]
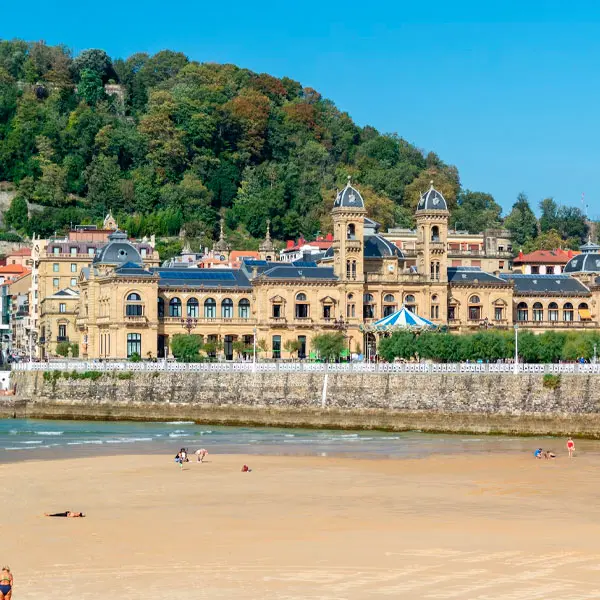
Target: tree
[(17, 215), (476, 212), (291, 346), (96, 61), (549, 216), (186, 348), (329, 346), (104, 184), (521, 222), (90, 88)]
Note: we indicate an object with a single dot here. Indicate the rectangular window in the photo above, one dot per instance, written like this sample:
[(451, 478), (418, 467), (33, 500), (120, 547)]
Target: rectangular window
[(327, 311), (62, 333), (73, 251), (501, 264), (301, 311), (277, 311), (73, 267), (457, 263), (55, 267), (144, 252), (62, 307), (276, 346), (301, 346), (474, 313), (91, 251), (498, 313), (73, 282), (56, 282), (56, 250), (535, 270), (134, 344), (476, 263)]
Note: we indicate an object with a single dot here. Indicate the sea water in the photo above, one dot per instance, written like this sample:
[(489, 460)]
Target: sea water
[(39, 439)]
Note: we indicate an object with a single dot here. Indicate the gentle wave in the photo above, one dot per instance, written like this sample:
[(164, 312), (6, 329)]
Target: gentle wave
[(48, 432), (178, 435), (180, 422), (33, 442)]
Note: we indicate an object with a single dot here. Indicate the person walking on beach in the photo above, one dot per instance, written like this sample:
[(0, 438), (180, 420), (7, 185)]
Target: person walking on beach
[(570, 447), (6, 584)]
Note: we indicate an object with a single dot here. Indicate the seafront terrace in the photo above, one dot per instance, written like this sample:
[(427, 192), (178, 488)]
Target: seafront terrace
[(306, 367)]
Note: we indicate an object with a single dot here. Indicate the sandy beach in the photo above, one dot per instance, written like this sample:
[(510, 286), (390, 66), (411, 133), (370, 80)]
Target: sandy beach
[(481, 527)]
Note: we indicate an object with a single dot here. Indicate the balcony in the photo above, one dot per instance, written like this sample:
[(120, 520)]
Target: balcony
[(62, 338), (206, 320), (557, 324), (135, 319)]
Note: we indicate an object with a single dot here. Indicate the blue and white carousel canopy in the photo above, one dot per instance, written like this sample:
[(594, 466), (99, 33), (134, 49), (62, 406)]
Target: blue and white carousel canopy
[(402, 319)]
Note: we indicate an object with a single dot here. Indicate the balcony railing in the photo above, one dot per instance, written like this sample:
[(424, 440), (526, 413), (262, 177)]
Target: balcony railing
[(206, 320), (62, 338)]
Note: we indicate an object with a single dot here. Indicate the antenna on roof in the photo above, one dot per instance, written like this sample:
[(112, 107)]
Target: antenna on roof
[(585, 206)]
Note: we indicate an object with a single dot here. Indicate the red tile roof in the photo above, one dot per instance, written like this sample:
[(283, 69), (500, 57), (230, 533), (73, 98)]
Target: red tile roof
[(550, 257), (13, 270)]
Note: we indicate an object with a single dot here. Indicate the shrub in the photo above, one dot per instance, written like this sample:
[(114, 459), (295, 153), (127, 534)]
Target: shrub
[(124, 375), (135, 358), (551, 381), (62, 348), (186, 348)]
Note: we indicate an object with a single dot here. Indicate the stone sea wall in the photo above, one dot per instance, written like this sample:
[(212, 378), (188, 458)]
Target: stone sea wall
[(478, 403)]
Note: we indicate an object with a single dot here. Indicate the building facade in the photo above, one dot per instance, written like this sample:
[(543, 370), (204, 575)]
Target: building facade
[(126, 306)]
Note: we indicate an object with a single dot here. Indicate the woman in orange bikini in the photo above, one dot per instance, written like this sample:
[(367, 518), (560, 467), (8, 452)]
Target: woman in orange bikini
[(6, 584)]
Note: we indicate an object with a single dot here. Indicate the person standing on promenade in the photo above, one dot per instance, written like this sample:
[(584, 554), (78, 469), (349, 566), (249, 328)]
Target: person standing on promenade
[(6, 584), (570, 447)]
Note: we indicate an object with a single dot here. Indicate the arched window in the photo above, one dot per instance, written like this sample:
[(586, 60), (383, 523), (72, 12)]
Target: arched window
[(227, 308), (538, 312), (210, 308), (434, 313), (474, 308), (244, 309), (410, 302), (435, 271), (175, 307), (368, 306), (302, 306), (435, 234), (584, 312), (522, 311), (193, 308), (351, 231), (134, 306), (350, 307), (553, 311), (161, 308), (389, 305), (567, 311)]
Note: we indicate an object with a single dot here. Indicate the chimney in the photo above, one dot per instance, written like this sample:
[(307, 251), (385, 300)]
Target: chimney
[(289, 244), (329, 237)]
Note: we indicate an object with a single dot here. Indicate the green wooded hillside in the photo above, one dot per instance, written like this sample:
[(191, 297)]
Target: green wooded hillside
[(167, 143)]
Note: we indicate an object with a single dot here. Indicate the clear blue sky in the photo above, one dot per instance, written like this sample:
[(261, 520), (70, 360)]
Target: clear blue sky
[(507, 90)]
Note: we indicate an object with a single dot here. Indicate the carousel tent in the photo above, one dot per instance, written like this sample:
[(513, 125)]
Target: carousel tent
[(402, 319)]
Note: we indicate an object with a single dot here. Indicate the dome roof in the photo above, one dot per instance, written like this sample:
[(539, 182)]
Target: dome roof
[(349, 197), (584, 263), (432, 200), (118, 251), (376, 246)]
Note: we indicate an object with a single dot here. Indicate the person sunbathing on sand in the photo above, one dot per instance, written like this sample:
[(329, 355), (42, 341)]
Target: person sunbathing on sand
[(68, 513), (6, 584), (549, 454)]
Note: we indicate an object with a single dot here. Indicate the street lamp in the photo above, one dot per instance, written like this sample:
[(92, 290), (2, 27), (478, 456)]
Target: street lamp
[(189, 324), (516, 348), (254, 349), (595, 353)]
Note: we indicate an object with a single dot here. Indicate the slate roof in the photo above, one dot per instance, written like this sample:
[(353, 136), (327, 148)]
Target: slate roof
[(547, 284), (208, 278), (472, 275), (377, 246), (584, 263), (294, 272), (432, 200), (118, 250), (349, 197)]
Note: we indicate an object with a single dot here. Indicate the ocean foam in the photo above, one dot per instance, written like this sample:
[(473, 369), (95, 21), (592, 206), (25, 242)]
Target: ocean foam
[(48, 432)]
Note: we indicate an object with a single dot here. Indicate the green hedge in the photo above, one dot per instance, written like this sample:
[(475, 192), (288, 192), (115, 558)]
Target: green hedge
[(490, 346)]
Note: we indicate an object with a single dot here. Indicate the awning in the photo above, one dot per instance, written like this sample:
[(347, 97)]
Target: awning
[(584, 314)]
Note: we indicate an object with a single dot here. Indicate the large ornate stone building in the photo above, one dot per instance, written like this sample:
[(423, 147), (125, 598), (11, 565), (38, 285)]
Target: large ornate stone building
[(127, 306)]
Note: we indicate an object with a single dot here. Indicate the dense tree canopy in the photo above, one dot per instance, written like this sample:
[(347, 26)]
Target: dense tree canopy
[(166, 143)]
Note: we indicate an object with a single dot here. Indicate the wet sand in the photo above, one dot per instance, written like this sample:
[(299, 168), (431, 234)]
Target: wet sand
[(458, 527)]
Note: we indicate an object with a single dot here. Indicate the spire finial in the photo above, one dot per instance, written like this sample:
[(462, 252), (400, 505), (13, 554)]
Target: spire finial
[(268, 236), (431, 183), (222, 233), (349, 180)]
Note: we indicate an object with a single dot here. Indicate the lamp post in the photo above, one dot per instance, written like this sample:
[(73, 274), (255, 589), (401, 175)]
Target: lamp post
[(342, 326), (254, 349), (189, 324), (516, 348), (595, 353)]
